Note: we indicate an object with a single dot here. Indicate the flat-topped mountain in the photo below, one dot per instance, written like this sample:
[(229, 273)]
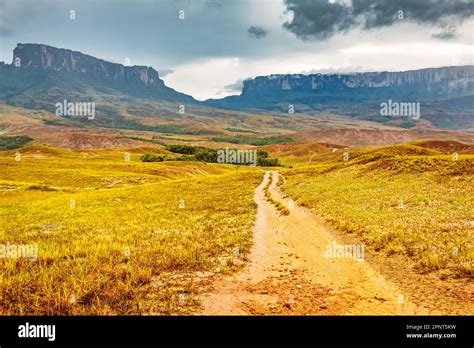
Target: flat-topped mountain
[(38, 69), (58, 59), (428, 84), (441, 92)]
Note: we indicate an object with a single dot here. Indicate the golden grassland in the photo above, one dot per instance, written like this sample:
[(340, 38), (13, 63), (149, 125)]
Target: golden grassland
[(127, 237), (401, 199), (116, 236), (75, 170)]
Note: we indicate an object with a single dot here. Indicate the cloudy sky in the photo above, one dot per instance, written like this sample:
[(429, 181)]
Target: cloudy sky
[(207, 47)]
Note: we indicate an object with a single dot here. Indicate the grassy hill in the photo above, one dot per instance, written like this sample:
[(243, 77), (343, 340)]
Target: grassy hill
[(406, 200)]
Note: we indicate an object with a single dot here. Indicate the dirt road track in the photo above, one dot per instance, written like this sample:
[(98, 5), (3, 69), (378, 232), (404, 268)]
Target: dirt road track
[(290, 274)]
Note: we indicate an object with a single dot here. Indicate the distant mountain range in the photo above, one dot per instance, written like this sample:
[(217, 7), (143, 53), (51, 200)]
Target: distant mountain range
[(418, 85), (446, 95), (41, 76)]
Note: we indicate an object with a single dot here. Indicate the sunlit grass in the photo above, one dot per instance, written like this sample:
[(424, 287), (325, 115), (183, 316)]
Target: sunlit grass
[(420, 206), (132, 248)]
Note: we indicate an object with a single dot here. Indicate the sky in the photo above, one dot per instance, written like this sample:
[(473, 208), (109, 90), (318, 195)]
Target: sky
[(206, 48)]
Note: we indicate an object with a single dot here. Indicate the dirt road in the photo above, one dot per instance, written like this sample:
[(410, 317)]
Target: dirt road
[(290, 271)]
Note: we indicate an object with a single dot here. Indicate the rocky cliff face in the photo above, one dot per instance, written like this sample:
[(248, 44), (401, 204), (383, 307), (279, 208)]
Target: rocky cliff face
[(46, 57), (446, 95), (45, 73), (433, 84)]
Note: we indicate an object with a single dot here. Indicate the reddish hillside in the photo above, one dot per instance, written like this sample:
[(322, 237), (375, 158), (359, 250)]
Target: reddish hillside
[(374, 137)]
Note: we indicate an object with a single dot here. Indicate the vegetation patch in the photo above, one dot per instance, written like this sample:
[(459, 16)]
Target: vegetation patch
[(203, 154), (153, 140), (11, 143), (240, 139), (240, 130)]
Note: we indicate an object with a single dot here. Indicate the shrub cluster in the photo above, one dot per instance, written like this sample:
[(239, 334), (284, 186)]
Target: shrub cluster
[(203, 154)]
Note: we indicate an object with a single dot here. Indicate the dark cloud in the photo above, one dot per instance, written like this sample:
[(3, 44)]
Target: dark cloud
[(448, 32), (379, 13), (211, 28), (257, 32), (317, 19), (320, 19)]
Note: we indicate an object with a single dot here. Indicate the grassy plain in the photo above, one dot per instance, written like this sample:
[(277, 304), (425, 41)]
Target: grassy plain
[(117, 236)]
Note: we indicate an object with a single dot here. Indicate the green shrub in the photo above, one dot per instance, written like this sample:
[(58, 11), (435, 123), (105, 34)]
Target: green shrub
[(148, 157), (203, 154), (240, 139), (11, 143), (183, 149)]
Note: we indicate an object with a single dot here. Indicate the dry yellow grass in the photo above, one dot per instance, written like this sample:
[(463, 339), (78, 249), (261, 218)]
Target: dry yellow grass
[(126, 237), (401, 200), (115, 236)]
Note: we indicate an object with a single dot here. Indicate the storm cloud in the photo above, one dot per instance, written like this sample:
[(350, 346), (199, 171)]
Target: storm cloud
[(257, 32), (321, 19)]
